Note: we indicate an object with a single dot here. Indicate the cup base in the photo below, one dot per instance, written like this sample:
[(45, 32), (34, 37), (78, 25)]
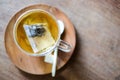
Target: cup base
[(36, 65)]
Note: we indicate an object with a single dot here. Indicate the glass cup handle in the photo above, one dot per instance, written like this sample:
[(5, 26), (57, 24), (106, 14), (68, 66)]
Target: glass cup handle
[(64, 46)]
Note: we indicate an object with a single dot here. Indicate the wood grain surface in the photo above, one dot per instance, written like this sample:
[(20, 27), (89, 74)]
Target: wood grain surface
[(32, 64), (97, 53)]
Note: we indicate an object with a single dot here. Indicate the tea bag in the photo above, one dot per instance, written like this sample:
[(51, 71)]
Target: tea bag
[(39, 37)]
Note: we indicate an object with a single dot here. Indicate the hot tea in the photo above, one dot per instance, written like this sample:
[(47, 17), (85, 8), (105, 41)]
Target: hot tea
[(42, 42)]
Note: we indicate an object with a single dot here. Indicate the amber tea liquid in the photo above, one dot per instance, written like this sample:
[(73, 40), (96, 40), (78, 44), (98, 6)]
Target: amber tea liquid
[(30, 18)]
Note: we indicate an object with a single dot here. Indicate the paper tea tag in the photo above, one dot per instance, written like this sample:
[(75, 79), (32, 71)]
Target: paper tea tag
[(39, 42)]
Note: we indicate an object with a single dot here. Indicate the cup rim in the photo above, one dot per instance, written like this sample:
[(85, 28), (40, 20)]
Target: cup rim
[(36, 54)]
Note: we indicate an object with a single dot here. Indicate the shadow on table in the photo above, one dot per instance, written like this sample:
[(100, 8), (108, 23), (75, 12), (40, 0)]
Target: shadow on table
[(66, 72), (41, 77)]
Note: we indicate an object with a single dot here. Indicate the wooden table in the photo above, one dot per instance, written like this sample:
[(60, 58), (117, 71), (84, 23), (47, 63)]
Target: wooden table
[(97, 53)]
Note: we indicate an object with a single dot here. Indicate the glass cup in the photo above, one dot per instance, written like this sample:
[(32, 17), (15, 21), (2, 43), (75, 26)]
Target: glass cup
[(27, 20)]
